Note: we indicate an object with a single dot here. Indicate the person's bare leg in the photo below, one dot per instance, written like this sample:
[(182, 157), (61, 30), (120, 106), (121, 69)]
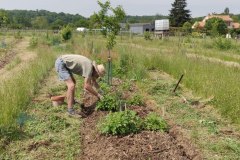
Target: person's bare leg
[(70, 92)]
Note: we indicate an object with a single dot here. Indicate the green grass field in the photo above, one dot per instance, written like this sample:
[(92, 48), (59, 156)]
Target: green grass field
[(210, 68)]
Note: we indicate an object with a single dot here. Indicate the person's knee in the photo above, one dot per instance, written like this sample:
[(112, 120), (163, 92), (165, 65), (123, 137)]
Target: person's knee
[(71, 86)]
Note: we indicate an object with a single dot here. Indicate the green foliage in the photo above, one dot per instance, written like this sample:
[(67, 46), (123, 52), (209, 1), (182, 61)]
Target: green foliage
[(17, 91), (197, 34), (187, 27), (33, 42), (136, 100), (123, 64), (39, 19), (216, 26), (120, 123), (147, 36), (154, 122), (108, 103), (66, 33), (178, 14), (3, 18), (53, 40), (109, 24), (211, 125), (222, 43)]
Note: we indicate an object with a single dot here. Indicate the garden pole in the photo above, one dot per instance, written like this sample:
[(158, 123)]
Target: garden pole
[(109, 77), (178, 83)]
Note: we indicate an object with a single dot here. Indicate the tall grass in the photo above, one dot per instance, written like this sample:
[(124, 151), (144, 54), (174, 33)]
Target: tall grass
[(204, 78), (16, 92)]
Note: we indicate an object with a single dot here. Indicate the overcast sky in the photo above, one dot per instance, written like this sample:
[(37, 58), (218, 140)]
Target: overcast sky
[(131, 7)]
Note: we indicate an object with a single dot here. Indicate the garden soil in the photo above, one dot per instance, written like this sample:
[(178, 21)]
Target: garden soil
[(142, 146)]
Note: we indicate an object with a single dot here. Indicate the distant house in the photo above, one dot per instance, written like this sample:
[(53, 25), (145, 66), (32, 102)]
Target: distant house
[(226, 18), (140, 28)]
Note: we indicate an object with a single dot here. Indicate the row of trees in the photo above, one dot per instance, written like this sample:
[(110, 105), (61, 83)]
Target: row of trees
[(39, 19), (179, 16)]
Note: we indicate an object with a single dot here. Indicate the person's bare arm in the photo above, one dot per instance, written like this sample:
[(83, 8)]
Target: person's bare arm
[(88, 87), (95, 83)]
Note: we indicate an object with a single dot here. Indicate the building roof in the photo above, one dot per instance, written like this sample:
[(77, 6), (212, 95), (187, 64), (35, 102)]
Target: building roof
[(226, 18), (236, 25)]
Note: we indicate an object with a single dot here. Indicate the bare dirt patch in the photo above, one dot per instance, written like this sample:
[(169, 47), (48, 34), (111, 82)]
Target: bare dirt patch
[(7, 58), (22, 52), (141, 146)]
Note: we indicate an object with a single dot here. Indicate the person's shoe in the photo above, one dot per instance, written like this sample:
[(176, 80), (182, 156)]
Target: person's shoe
[(71, 112)]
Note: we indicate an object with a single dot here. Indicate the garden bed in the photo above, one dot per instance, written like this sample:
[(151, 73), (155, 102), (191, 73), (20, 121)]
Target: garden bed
[(142, 145)]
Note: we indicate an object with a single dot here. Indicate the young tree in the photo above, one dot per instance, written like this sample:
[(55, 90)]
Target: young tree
[(178, 14), (187, 27), (108, 19)]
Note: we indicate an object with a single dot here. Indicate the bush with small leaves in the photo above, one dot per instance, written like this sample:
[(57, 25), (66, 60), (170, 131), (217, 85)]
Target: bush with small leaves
[(108, 103), (120, 123), (136, 100), (147, 36), (154, 122), (66, 33)]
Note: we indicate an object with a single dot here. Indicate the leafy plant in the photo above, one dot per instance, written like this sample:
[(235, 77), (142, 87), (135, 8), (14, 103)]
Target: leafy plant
[(110, 27), (54, 40), (223, 44), (108, 103), (120, 123), (211, 125), (136, 100), (66, 33), (147, 36), (154, 122)]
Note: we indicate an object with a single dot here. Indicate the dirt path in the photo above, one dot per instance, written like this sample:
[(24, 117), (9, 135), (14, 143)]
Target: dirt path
[(141, 146), (21, 51), (214, 60)]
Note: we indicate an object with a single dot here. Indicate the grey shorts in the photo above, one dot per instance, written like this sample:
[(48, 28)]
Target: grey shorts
[(63, 72)]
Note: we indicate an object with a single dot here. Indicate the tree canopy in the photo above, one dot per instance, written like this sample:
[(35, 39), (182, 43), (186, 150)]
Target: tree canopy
[(40, 19), (216, 26), (178, 14)]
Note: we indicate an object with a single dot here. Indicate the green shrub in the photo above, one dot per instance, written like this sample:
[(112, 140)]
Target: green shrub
[(108, 103), (120, 123), (223, 43), (54, 40), (147, 36), (154, 122), (136, 100), (66, 33)]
